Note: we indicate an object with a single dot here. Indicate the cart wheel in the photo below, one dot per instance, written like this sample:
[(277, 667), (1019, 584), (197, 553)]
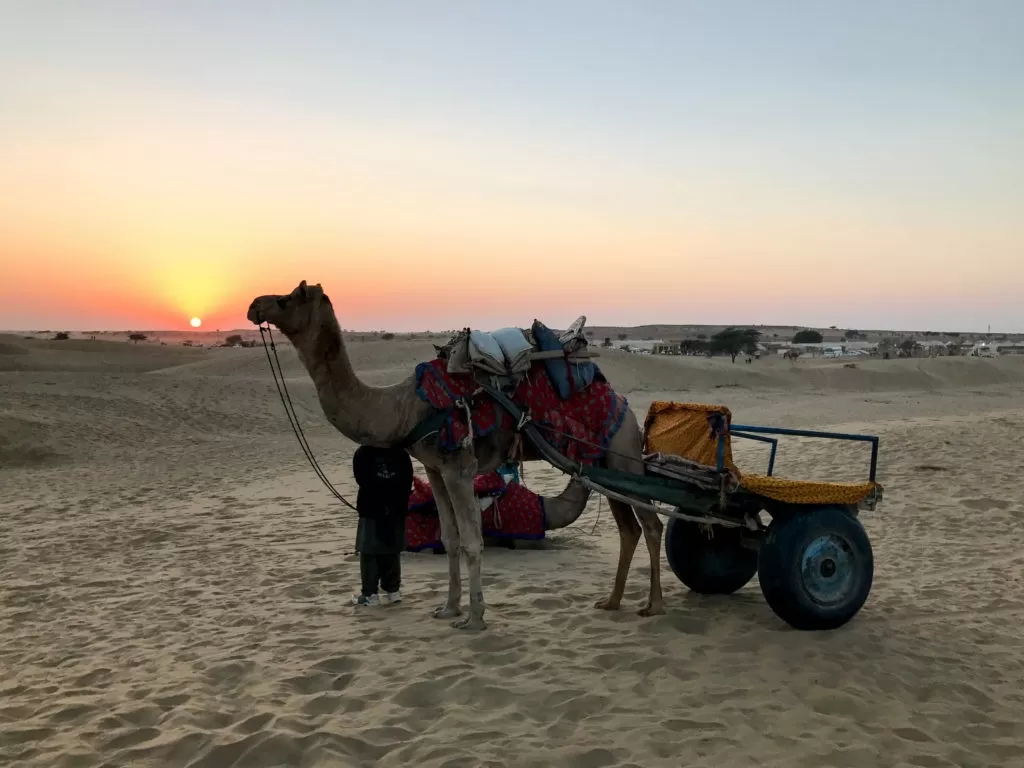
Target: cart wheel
[(816, 567), (711, 566)]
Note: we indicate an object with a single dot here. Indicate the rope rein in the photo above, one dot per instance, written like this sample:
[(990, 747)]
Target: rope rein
[(293, 418)]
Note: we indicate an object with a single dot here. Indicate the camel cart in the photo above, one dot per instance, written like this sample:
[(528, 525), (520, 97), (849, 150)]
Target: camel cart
[(812, 557)]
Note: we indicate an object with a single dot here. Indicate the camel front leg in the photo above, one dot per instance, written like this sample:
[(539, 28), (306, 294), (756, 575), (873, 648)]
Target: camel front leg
[(459, 483), (452, 546)]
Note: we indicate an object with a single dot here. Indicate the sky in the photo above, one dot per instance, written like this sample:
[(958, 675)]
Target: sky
[(448, 163)]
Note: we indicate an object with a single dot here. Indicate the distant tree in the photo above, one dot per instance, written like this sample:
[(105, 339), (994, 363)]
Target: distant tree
[(832, 327), (387, 336), (808, 337), (853, 335), (62, 336), (732, 341), (233, 340), (907, 346), (135, 338)]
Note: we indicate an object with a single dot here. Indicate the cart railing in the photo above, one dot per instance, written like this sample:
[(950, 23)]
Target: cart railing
[(761, 439), (751, 432)]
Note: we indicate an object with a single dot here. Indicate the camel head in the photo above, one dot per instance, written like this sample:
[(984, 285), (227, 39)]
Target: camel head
[(293, 313)]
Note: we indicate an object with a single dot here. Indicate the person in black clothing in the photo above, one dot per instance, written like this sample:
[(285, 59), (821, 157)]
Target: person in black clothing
[(384, 477)]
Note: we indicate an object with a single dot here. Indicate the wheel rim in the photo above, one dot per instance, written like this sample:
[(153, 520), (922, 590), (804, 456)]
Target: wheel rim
[(828, 569)]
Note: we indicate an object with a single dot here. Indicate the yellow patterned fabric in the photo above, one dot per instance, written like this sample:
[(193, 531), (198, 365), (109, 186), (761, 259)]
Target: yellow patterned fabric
[(806, 491), (685, 429)]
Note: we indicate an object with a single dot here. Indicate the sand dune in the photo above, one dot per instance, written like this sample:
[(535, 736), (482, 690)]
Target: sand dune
[(174, 584)]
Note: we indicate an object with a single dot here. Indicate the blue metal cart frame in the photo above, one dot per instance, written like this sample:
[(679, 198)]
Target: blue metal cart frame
[(751, 432)]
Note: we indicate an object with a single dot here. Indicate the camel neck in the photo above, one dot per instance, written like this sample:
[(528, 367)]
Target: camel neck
[(342, 394)]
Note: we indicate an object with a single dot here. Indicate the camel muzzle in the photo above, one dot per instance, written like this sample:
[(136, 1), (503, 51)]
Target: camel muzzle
[(254, 315)]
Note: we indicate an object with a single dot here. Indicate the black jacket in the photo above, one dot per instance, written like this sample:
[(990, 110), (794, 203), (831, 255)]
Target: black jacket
[(384, 477)]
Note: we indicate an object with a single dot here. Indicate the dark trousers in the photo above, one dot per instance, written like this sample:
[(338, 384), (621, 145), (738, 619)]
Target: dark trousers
[(384, 571)]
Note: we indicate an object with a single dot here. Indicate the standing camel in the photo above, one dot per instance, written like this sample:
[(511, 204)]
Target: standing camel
[(384, 416)]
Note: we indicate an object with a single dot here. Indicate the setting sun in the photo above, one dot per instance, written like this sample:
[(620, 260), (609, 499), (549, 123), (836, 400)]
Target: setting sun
[(195, 322)]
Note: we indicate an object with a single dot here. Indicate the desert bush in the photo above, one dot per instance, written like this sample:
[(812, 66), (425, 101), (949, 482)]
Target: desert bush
[(808, 336)]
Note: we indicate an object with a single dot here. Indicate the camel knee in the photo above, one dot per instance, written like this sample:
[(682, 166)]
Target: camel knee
[(451, 541), (651, 525), (472, 550)]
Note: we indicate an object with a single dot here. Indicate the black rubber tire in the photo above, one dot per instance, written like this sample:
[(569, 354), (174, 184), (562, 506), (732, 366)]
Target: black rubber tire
[(816, 567), (716, 566)]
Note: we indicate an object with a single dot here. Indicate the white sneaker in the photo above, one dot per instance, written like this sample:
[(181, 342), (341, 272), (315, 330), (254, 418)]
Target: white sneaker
[(390, 598), (366, 600)]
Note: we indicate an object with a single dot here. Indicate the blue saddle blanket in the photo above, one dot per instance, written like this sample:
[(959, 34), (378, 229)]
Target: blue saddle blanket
[(567, 376)]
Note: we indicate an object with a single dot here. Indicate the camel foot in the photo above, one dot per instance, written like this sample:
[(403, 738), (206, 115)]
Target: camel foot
[(651, 610), (447, 612), (607, 604), (471, 623)]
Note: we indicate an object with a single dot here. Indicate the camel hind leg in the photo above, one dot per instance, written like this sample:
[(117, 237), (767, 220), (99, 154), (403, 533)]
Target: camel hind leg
[(625, 453), (652, 528), (629, 537)]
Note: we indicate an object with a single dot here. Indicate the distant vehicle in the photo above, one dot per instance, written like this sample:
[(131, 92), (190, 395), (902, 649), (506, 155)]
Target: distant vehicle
[(983, 350)]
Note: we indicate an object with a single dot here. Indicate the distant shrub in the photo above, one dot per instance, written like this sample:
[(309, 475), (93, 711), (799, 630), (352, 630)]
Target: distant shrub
[(233, 340), (135, 338), (62, 336), (808, 337), (387, 336)]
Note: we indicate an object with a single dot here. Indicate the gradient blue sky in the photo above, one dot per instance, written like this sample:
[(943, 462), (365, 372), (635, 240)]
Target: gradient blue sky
[(853, 164)]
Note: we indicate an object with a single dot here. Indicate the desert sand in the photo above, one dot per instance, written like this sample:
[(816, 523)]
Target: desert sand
[(175, 583)]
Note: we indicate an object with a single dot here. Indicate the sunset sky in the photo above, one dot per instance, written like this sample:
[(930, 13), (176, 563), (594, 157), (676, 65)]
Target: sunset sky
[(440, 164)]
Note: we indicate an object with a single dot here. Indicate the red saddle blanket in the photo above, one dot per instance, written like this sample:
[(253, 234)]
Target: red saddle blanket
[(579, 428), (516, 512)]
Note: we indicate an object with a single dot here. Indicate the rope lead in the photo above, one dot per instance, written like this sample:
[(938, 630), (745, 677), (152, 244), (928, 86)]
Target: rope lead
[(293, 418)]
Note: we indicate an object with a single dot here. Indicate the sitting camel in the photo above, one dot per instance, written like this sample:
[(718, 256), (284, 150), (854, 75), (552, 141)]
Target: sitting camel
[(384, 416)]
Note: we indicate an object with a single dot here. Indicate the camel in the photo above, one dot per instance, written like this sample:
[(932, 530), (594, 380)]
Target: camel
[(384, 416)]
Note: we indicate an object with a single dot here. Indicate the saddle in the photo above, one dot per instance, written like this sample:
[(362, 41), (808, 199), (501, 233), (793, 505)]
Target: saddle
[(508, 354)]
